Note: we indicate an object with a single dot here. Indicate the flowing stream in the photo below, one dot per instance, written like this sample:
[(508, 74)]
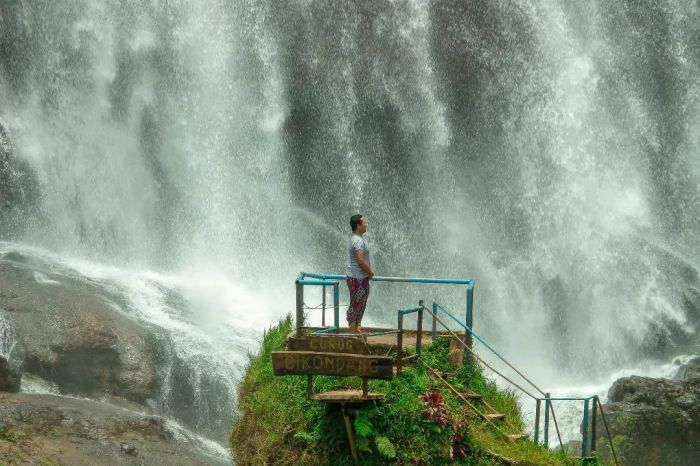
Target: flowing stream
[(548, 150)]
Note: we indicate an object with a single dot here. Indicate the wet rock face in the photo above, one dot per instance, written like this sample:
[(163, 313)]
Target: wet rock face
[(76, 335), (69, 335), (655, 421)]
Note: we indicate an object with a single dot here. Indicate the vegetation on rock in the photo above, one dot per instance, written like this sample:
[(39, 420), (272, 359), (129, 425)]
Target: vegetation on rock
[(419, 422)]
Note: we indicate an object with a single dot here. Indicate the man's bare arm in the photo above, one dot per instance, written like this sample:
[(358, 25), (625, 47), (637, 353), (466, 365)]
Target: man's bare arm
[(363, 264)]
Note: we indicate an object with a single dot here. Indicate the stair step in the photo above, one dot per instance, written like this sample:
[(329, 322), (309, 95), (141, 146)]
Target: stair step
[(495, 417), (515, 437), (471, 395)]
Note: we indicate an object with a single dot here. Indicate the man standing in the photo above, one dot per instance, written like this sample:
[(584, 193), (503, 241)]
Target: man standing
[(359, 272)]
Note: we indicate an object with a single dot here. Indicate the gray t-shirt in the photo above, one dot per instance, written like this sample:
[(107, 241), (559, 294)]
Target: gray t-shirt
[(357, 243)]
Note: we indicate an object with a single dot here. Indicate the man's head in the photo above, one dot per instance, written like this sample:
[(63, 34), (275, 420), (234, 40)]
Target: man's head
[(358, 225)]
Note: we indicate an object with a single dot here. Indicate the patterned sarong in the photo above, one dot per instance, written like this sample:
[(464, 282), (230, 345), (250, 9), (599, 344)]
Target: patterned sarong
[(359, 291)]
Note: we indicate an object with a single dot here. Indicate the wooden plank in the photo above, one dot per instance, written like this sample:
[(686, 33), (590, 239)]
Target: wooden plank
[(313, 363), (346, 396), (328, 344)]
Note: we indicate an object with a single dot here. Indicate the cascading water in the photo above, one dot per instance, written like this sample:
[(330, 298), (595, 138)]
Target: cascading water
[(548, 151)]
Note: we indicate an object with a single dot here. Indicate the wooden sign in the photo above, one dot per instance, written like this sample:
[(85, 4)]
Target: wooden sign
[(312, 363), (328, 344)]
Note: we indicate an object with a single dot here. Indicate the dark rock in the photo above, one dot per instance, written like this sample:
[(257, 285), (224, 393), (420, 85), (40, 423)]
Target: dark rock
[(689, 372), (14, 256), (78, 335), (10, 380), (653, 421)]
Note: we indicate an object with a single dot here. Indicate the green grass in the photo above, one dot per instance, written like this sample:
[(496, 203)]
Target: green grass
[(276, 424)]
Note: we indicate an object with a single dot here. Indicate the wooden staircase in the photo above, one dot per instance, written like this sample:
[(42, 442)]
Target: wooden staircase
[(487, 412)]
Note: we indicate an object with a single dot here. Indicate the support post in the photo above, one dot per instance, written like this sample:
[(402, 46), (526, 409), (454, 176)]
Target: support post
[(351, 438), (300, 307), (546, 420), (323, 306), (434, 334), (537, 420), (470, 316), (309, 385), (399, 346), (336, 305), (593, 424), (584, 440), (419, 328), (365, 389)]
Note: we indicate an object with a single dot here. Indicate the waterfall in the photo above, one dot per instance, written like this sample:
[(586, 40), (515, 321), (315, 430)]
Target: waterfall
[(548, 151)]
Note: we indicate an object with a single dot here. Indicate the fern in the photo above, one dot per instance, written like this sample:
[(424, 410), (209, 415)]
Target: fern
[(363, 427), (363, 444), (306, 437), (385, 447)]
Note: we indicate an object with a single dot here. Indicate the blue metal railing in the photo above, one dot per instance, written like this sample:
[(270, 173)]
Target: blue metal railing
[(546, 398), (399, 340), (325, 280)]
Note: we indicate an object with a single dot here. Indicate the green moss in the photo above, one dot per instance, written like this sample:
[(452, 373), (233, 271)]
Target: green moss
[(276, 424)]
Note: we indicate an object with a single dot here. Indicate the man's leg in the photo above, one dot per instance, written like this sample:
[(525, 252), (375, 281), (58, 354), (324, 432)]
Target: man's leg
[(353, 285), (364, 284)]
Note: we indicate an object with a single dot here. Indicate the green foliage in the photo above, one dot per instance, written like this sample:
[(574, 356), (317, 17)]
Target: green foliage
[(363, 427), (55, 432), (385, 447), (277, 424), (7, 435)]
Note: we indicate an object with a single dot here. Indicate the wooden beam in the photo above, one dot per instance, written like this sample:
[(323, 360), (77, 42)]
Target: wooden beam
[(312, 363), (329, 344)]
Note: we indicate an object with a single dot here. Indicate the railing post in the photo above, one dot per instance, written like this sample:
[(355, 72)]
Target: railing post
[(300, 307), (336, 305), (399, 346), (419, 328), (435, 309), (584, 440), (593, 424), (546, 420), (470, 316), (537, 420), (323, 306)]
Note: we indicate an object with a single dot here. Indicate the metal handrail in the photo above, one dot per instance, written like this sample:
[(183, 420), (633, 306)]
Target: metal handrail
[(612, 447), (308, 278), (548, 406), (477, 356), (377, 278), (399, 338), (474, 334)]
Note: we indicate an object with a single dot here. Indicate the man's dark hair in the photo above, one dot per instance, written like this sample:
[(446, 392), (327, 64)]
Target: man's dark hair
[(354, 221)]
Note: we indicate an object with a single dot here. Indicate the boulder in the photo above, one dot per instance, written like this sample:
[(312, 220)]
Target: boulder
[(81, 337), (653, 421), (689, 372), (9, 379)]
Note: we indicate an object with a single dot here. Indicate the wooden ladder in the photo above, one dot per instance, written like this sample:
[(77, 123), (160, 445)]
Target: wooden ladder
[(471, 398)]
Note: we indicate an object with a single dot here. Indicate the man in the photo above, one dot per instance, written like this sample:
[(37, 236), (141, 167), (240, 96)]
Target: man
[(359, 272)]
